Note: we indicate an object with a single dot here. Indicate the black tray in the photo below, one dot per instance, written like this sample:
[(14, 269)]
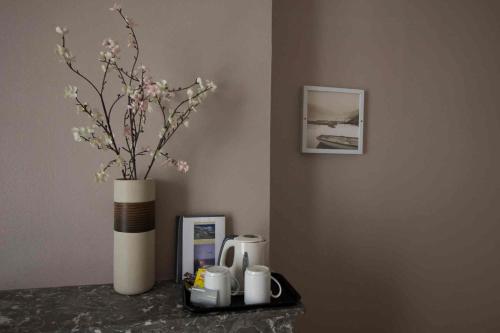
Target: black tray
[(289, 297)]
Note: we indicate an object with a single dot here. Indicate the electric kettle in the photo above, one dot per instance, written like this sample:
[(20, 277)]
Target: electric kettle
[(249, 250)]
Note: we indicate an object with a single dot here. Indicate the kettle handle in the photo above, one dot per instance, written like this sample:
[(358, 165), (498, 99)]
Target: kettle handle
[(226, 245)]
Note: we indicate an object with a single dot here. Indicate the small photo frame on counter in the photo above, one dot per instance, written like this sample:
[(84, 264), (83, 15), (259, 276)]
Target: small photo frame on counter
[(199, 239)]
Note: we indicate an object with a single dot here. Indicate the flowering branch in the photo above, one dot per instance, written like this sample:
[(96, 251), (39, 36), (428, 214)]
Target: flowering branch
[(142, 95), (165, 135)]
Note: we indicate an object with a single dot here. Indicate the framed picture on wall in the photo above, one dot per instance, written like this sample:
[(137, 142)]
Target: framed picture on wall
[(332, 120)]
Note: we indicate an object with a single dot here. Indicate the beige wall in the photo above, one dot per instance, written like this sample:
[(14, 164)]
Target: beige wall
[(55, 222), (404, 238), (401, 239)]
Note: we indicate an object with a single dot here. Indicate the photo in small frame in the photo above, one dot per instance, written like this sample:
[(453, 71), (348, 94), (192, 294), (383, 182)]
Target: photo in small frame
[(332, 120), (204, 245), (199, 239)]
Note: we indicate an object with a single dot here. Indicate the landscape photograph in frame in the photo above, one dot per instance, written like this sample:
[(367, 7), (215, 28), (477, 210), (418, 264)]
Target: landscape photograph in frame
[(332, 120)]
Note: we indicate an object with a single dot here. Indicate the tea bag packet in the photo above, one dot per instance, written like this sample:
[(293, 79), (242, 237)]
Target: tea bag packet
[(199, 281), (204, 297)]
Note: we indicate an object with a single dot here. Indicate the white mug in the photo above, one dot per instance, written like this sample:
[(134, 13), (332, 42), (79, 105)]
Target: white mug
[(219, 278), (258, 285)]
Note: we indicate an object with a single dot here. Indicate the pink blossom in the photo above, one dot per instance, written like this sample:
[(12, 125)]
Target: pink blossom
[(141, 93), (130, 22), (143, 105), (112, 46), (131, 41), (182, 166), (152, 90), (127, 131), (108, 42)]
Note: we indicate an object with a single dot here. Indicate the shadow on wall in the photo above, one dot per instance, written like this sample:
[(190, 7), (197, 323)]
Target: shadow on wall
[(174, 199), (345, 284)]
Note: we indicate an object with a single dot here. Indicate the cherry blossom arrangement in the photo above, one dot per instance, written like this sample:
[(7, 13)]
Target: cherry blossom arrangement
[(143, 95)]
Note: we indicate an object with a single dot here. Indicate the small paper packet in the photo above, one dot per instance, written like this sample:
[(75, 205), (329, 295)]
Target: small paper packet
[(199, 281)]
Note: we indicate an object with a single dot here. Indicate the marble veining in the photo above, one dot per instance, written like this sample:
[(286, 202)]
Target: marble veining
[(98, 309)]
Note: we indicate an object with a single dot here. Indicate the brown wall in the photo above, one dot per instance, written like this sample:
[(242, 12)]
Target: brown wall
[(55, 222), (404, 238)]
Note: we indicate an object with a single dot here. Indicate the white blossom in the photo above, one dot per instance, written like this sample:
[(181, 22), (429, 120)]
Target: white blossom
[(129, 90), (108, 55), (107, 139), (119, 161), (189, 93), (95, 142), (96, 115), (116, 7), (70, 92), (194, 102), (86, 131), (101, 176), (80, 133), (162, 85), (108, 43), (62, 31), (211, 85), (60, 50), (131, 41), (111, 45), (82, 108), (76, 134), (64, 53), (200, 83), (68, 56), (100, 142)]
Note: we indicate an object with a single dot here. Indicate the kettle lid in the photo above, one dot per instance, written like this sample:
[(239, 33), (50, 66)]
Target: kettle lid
[(250, 238)]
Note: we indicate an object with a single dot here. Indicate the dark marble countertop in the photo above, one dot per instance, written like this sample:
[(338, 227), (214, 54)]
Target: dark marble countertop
[(98, 309)]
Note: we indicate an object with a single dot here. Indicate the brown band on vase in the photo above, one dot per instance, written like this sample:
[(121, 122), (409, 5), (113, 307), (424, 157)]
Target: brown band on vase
[(134, 217)]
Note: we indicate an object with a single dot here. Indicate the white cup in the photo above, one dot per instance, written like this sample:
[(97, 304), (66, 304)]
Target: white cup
[(258, 285), (219, 278)]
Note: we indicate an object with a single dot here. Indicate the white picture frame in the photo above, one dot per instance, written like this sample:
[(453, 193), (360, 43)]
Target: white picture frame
[(332, 120)]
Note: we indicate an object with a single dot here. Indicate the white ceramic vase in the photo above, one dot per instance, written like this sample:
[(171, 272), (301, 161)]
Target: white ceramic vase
[(134, 236)]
